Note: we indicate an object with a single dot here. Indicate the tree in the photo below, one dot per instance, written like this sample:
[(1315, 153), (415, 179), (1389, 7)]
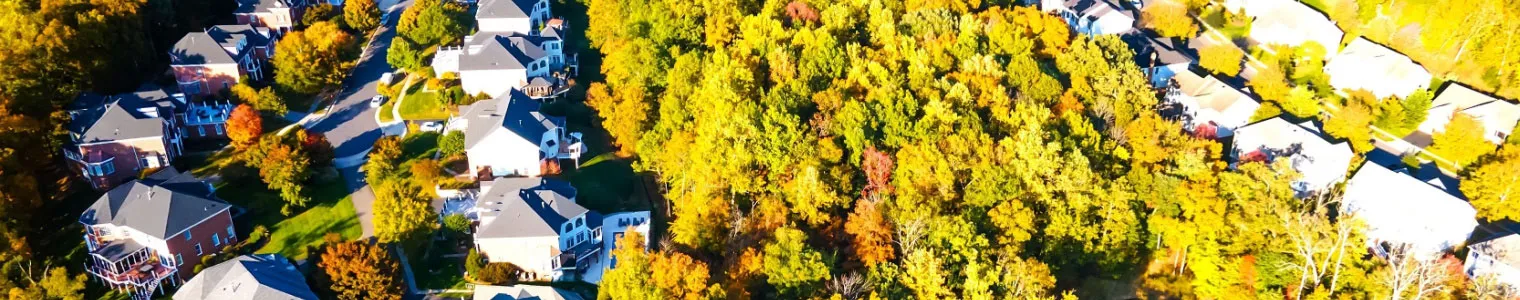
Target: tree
[(1461, 142), (1410, 274), (631, 278), (1301, 103), (1223, 59), (284, 168), (1351, 123), (433, 22), (403, 212), (871, 235), (316, 147), (264, 100), (382, 159), (313, 59), (318, 13), (451, 143), (623, 113), (244, 126), (360, 270), (361, 15), (1494, 181), (791, 265), (405, 55), (426, 172), (1168, 19)]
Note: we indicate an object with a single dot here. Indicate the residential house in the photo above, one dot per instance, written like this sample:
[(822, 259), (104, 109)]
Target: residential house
[(113, 138), (1093, 17), (535, 224), (1320, 161), (523, 292), (1364, 65), (524, 17), (510, 136), (207, 62), (154, 230), (248, 277), (1497, 257), (1401, 210), (205, 119), (1497, 115), (279, 15), (493, 63), (1291, 23), (1207, 106)]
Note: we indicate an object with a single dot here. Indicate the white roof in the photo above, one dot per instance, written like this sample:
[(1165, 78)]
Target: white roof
[(1210, 101), (1368, 66), (522, 292), (1497, 115), (1320, 161), (1291, 23), (1400, 208)]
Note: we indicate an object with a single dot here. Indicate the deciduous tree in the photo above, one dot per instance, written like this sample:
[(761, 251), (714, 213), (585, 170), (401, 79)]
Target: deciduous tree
[(1494, 182), (361, 15), (1223, 59), (1462, 142), (791, 265), (360, 270), (244, 126), (1351, 123), (403, 211), (312, 59), (1168, 19)]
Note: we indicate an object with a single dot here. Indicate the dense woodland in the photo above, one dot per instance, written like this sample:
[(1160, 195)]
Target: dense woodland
[(944, 149)]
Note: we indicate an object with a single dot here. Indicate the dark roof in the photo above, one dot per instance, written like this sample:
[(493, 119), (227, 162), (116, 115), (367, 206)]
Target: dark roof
[(132, 115), (529, 207), (87, 100), (228, 36), (514, 112), (491, 51), (259, 276), (115, 250), (253, 6), (504, 9), (162, 205), (198, 48), (1165, 51)]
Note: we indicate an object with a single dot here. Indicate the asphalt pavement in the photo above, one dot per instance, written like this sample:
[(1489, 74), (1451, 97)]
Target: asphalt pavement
[(350, 124)]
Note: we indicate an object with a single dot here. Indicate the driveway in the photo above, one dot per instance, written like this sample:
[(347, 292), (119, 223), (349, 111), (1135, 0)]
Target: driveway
[(350, 124)]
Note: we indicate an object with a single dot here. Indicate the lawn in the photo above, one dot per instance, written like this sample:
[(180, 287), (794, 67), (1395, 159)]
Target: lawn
[(423, 105), (436, 271), (419, 145), (385, 111), (330, 210)]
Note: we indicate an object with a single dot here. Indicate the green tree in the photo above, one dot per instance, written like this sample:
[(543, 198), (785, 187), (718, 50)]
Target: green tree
[(284, 167), (451, 143), (313, 59), (1462, 142), (1168, 19), (361, 15), (318, 13), (1492, 183), (433, 23), (1301, 103), (791, 265), (1223, 59), (405, 55)]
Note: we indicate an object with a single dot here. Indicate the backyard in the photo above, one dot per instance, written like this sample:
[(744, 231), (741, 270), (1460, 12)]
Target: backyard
[(421, 104)]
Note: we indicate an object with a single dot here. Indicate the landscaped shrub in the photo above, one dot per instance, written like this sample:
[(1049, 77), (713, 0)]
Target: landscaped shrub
[(451, 143), (473, 262), (499, 274)]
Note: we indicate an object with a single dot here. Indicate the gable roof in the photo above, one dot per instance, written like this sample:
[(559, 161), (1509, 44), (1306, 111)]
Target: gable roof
[(133, 115), (513, 112), (523, 292), (162, 205), (504, 9), (199, 48), (1501, 249), (257, 6), (494, 51), (1320, 161), (526, 207), (1497, 115), (1210, 100), (1400, 208), (259, 276), (1364, 65), (229, 36), (1291, 23)]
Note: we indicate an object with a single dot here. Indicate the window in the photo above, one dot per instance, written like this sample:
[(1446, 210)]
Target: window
[(216, 240), (580, 222), (198, 249), (200, 130), (187, 235), (231, 234), (218, 129), (567, 227), (178, 259)]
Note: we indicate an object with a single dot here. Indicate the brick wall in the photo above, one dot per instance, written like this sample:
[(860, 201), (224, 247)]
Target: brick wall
[(201, 234)]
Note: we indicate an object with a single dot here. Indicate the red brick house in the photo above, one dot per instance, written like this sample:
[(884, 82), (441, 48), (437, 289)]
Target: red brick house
[(113, 138), (205, 63), (280, 15), (151, 231)]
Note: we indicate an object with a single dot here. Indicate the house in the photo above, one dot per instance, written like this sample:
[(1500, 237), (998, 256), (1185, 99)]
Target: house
[(248, 277), (1497, 115), (280, 15), (207, 62), (205, 119), (154, 230), (1364, 65), (1291, 23), (523, 292), (1320, 162), (509, 136), (535, 224), (113, 138), (1498, 257), (1206, 105), (492, 63), (511, 16), (1093, 17), (1399, 209)]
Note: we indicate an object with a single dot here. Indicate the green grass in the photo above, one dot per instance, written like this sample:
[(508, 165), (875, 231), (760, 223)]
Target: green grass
[(436, 271), (294, 235), (419, 146), (423, 105), (606, 184), (385, 111)]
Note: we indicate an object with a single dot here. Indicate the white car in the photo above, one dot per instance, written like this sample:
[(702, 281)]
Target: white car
[(385, 78), (430, 126), (376, 101)]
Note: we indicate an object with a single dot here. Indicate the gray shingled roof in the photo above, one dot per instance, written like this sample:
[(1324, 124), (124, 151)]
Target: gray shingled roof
[(162, 205), (529, 207), (253, 6), (199, 48), (250, 277), (130, 116), (513, 111), (503, 9), (491, 51), (228, 36)]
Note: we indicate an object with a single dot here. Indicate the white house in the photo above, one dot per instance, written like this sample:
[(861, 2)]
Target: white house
[(535, 224), (1497, 257), (523, 292), (509, 136), (1288, 22), (1364, 65), (1321, 162), (614, 226), (493, 63), (1208, 105), (1498, 116), (1093, 17), (508, 16), (1399, 209)]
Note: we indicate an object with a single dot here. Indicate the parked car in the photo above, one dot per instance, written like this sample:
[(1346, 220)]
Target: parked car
[(376, 101), (431, 126), (385, 78)]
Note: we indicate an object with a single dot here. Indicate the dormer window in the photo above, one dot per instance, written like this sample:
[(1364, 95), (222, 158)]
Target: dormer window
[(567, 227)]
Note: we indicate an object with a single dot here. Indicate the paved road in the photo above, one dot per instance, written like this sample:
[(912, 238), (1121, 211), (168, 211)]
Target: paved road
[(350, 125)]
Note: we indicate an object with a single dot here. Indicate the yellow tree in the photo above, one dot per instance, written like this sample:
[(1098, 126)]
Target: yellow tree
[(1223, 59), (1169, 19), (1351, 123), (1462, 140), (1493, 183)]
